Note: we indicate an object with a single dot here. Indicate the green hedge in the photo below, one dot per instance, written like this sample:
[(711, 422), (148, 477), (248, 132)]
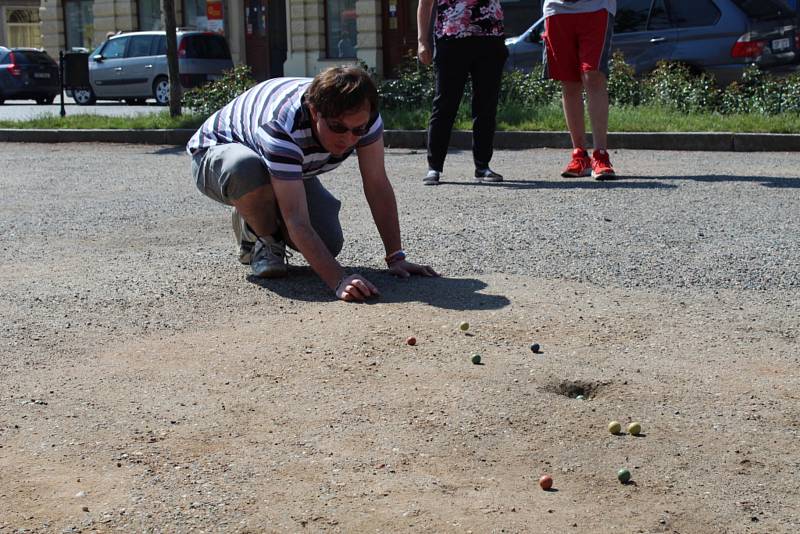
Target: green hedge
[(671, 86)]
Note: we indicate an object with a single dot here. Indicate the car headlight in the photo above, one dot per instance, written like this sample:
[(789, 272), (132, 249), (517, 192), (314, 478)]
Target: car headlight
[(511, 41)]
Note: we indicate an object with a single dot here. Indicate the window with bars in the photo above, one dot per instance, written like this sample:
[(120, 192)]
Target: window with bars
[(22, 28), (340, 28)]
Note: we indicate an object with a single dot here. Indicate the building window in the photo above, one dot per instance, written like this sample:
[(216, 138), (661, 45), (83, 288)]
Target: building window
[(79, 24), (149, 15), (340, 28), (22, 28), (194, 14)]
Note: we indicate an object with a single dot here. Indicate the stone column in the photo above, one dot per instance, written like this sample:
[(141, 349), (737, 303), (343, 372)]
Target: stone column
[(306, 37), (307, 55), (113, 16), (51, 15), (233, 13), (370, 49)]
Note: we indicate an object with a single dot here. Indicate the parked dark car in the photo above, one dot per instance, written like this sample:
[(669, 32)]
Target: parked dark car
[(721, 37), (27, 74), (133, 66)]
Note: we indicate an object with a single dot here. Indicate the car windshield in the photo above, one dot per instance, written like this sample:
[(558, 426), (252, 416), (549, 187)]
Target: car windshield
[(206, 47), (765, 9)]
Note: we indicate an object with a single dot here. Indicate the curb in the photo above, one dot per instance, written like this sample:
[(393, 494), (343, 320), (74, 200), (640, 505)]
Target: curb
[(415, 139), (700, 141), (144, 137)]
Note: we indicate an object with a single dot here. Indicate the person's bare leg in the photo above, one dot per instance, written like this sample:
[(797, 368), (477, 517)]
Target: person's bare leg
[(597, 93), (572, 99), (260, 210)]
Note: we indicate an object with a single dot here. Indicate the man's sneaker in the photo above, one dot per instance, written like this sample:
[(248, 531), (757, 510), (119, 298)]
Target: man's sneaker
[(488, 175), (601, 166), (245, 238), (580, 165), (432, 178), (270, 258)]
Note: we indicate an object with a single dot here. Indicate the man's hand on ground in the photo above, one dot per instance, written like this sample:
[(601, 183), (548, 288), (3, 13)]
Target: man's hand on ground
[(355, 287), (404, 269)]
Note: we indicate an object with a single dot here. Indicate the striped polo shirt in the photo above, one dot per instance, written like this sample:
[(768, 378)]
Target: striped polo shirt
[(273, 120)]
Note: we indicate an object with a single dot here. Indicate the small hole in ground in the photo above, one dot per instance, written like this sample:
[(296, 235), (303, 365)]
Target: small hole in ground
[(573, 388)]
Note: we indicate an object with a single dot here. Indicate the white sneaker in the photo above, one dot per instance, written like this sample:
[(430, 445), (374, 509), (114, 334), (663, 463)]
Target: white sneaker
[(432, 178)]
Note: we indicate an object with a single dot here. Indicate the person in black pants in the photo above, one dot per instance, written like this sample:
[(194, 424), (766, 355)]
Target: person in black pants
[(474, 48)]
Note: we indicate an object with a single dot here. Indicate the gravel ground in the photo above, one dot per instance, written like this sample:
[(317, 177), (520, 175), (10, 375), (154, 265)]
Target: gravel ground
[(147, 384)]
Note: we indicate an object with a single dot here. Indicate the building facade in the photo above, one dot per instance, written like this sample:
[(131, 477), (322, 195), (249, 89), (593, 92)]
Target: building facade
[(274, 37)]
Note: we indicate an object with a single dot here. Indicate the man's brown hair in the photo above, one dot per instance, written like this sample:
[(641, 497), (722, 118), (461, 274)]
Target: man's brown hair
[(340, 90)]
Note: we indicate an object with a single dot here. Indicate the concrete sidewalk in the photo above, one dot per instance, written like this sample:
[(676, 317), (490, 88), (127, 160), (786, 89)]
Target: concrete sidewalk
[(703, 141)]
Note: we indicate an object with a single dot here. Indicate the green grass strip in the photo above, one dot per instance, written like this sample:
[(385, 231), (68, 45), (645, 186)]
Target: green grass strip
[(509, 118), (621, 119), (160, 120)]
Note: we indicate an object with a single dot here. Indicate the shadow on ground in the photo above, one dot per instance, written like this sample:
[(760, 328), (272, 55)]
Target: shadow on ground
[(634, 182), (446, 293), (622, 183), (169, 150), (766, 181)]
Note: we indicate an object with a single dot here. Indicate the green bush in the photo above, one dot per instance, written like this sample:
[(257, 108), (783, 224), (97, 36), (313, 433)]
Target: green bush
[(671, 86), (207, 99), (791, 94), (623, 87), (763, 94), (412, 89), (414, 86), (528, 89), (675, 86)]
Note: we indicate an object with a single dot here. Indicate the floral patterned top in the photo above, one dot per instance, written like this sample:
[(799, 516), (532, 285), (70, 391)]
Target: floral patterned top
[(468, 18)]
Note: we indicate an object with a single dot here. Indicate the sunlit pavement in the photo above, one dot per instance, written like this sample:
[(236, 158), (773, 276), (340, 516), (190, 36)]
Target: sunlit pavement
[(28, 109)]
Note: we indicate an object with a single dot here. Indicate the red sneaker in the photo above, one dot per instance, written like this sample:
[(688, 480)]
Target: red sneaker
[(580, 165), (601, 166)]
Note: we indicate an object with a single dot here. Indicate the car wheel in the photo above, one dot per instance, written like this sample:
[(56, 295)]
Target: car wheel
[(161, 91), (45, 100), (84, 97)]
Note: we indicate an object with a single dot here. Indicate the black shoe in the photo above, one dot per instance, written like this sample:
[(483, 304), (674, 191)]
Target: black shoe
[(432, 178), (488, 175)]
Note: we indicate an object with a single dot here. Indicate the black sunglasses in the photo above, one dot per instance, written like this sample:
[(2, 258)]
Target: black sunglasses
[(339, 128)]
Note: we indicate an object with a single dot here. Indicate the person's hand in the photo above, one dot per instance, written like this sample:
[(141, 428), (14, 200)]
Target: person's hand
[(355, 287), (404, 269), (424, 53)]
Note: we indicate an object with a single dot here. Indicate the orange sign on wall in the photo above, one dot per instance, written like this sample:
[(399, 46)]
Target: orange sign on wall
[(214, 10)]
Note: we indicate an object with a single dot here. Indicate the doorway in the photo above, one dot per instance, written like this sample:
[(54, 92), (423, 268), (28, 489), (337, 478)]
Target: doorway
[(265, 37), (399, 33)]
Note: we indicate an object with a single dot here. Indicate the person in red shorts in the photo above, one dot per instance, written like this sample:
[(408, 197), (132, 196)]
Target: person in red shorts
[(577, 42)]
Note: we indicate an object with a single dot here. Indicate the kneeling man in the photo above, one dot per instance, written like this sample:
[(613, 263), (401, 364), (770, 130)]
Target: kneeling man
[(262, 153)]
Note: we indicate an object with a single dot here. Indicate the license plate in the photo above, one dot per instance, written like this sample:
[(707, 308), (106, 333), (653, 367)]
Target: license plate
[(41, 75), (781, 44)]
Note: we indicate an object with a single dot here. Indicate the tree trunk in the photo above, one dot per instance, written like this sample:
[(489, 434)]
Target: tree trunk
[(170, 24)]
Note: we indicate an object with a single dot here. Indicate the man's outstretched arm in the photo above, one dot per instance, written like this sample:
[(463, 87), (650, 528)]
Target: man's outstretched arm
[(383, 205), (291, 198)]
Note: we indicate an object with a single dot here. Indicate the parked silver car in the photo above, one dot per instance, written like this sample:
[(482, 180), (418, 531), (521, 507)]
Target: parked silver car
[(133, 66), (721, 37)]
